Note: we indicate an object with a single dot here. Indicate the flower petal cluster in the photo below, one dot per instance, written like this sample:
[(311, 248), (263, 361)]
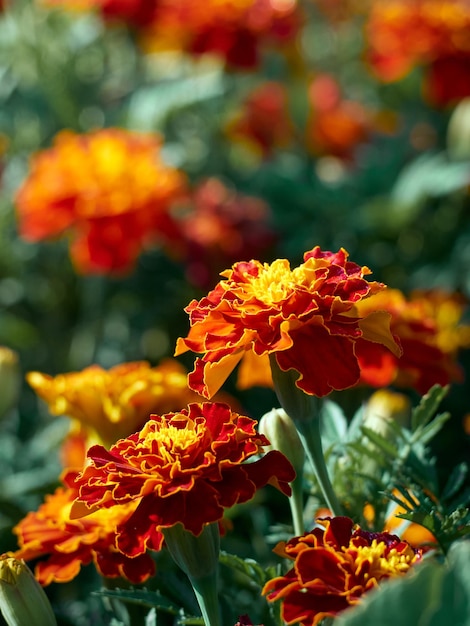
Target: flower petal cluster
[(263, 123), (428, 327), (306, 317), (221, 227), (333, 567), (107, 405), (233, 30), (108, 189), (433, 33), (63, 545), (184, 467)]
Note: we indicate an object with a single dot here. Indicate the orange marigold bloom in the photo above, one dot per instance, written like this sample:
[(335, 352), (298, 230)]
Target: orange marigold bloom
[(306, 317), (108, 188), (107, 405), (433, 33), (427, 325), (333, 568), (184, 467), (232, 29), (64, 545)]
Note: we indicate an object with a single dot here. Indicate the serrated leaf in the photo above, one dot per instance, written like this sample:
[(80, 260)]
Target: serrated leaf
[(426, 409), (143, 597), (382, 443), (428, 432)]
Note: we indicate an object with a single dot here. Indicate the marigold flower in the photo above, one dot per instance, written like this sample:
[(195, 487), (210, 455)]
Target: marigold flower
[(233, 30), (263, 123), (107, 405), (427, 325), (305, 317), (333, 568), (64, 545), (221, 227), (184, 467), (108, 188), (432, 33)]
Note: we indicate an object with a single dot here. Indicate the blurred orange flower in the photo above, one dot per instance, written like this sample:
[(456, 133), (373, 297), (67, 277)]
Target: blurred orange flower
[(336, 125), (263, 123), (231, 29), (64, 545), (185, 467), (221, 227), (333, 568), (305, 317), (106, 405), (109, 189), (427, 326), (432, 33)]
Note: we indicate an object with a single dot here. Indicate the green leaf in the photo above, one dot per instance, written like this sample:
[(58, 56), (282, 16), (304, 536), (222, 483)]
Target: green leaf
[(143, 597), (382, 443), (455, 482), (424, 412), (434, 594), (334, 424), (249, 567)]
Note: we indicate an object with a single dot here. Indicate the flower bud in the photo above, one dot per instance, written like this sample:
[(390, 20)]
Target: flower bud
[(9, 380), (282, 434), (23, 601), (458, 131)]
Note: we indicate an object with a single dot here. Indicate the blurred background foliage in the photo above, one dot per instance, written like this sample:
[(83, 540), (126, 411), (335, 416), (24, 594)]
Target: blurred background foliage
[(396, 196)]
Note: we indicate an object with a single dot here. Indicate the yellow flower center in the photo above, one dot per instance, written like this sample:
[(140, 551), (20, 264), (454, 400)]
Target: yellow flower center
[(277, 281), (170, 440), (382, 564)]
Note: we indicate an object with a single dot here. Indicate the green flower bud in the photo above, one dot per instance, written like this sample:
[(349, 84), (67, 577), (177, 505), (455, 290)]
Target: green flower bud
[(23, 601), (9, 380), (282, 434)]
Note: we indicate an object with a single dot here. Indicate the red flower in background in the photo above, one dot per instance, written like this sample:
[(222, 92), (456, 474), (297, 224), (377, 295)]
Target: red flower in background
[(221, 227), (64, 545), (433, 34), (263, 124), (427, 326), (109, 189), (234, 30), (134, 12), (336, 125), (306, 317), (185, 467), (333, 568)]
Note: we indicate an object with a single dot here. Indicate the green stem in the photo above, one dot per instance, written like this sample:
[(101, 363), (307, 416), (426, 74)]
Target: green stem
[(309, 433), (296, 503), (205, 590)]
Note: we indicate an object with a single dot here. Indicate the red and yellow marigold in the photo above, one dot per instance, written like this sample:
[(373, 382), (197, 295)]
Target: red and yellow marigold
[(333, 567), (305, 317), (61, 545), (184, 467), (109, 190), (403, 34), (428, 327)]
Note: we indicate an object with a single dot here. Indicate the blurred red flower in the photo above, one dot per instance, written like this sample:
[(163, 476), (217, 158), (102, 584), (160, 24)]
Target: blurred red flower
[(133, 12), (185, 467), (333, 567), (109, 189), (63, 545), (403, 34), (263, 124), (429, 330), (220, 227), (306, 317)]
